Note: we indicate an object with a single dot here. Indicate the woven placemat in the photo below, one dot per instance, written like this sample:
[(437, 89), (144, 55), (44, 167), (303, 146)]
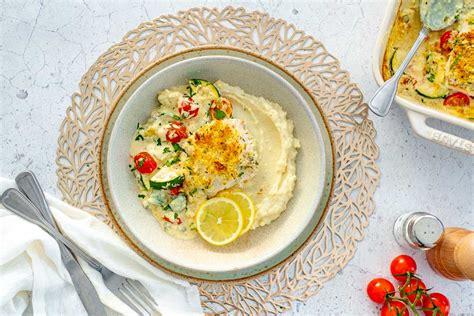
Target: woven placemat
[(356, 177)]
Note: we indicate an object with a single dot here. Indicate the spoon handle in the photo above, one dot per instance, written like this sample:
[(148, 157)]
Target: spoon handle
[(382, 100)]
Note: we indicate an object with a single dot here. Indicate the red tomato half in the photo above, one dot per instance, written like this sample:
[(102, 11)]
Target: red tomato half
[(438, 302), (457, 99), (401, 266), (144, 162), (416, 285), (377, 289), (395, 309), (175, 190), (176, 132), (444, 41), (188, 108)]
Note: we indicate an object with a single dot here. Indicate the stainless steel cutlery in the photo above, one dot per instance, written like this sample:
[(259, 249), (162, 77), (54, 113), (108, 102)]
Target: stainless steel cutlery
[(32, 206)]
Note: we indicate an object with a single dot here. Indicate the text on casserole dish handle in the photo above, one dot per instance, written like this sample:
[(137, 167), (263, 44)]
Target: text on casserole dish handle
[(418, 122)]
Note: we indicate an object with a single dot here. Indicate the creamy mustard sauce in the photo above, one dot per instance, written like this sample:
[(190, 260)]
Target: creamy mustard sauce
[(427, 78)]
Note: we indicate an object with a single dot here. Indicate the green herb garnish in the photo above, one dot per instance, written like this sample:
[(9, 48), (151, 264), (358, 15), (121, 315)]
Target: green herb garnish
[(176, 147), (172, 161), (219, 114), (139, 137), (158, 142), (141, 196), (166, 150)]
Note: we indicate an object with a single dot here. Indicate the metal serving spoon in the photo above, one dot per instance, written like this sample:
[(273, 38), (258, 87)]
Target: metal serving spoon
[(435, 15)]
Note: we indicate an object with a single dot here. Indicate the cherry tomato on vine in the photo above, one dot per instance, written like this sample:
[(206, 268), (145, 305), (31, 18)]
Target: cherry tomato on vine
[(437, 302), (412, 288), (396, 308), (457, 99), (176, 132), (144, 162), (378, 288), (402, 265)]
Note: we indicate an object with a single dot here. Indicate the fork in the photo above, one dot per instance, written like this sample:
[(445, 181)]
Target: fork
[(130, 291)]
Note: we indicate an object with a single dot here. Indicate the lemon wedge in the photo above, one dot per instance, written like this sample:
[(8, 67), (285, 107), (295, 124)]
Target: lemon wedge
[(219, 221), (246, 206)]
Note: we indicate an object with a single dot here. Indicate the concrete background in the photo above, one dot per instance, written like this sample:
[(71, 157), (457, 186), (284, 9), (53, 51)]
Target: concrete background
[(47, 46)]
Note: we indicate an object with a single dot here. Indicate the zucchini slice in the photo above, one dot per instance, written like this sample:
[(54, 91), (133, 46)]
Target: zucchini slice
[(395, 61), (166, 178), (197, 84), (431, 90)]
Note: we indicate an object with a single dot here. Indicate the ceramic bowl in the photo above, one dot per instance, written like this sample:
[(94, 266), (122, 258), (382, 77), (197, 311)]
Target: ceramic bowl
[(260, 249), (418, 114)]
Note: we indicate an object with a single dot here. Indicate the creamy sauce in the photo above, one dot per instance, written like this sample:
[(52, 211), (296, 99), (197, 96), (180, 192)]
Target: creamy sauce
[(267, 173), (426, 79)]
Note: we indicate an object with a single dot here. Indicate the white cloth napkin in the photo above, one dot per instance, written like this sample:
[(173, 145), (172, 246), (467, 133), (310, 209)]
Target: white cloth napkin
[(31, 267)]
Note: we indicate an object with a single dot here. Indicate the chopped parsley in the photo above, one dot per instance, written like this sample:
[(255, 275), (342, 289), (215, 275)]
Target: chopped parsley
[(141, 196), (219, 114), (176, 117), (132, 168), (456, 60), (167, 208), (143, 182), (191, 93), (158, 142), (193, 191), (139, 127), (139, 137), (166, 150), (172, 161), (176, 147), (141, 162), (175, 215)]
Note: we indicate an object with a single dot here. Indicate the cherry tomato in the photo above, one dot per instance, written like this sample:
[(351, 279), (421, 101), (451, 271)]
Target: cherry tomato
[(175, 190), (396, 308), (188, 108), (221, 108), (457, 99), (438, 302), (416, 285), (144, 162), (378, 288), (444, 41), (401, 266), (176, 132)]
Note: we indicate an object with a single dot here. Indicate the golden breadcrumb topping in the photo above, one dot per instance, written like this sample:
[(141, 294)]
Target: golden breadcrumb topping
[(461, 66), (217, 149)]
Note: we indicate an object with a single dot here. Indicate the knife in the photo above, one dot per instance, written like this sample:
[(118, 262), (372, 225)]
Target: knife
[(28, 184)]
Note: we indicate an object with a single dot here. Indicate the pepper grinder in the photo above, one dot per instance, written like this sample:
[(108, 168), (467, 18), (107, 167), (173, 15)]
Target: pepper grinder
[(453, 255)]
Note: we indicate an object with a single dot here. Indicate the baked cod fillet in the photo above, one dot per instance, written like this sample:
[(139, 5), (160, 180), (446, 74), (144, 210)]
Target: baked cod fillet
[(221, 154), (460, 66)]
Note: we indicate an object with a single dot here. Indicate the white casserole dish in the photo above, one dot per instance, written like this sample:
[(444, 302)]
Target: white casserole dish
[(418, 113)]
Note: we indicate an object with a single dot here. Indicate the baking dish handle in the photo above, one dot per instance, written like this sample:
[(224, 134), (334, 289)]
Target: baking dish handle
[(418, 122)]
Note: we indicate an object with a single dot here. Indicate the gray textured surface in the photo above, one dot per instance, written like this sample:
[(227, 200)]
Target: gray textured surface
[(47, 46)]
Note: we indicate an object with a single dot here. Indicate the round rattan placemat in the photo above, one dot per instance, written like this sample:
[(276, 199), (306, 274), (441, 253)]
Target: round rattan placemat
[(357, 174)]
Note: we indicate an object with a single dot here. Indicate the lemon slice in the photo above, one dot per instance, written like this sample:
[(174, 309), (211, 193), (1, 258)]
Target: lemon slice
[(246, 206), (219, 221)]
